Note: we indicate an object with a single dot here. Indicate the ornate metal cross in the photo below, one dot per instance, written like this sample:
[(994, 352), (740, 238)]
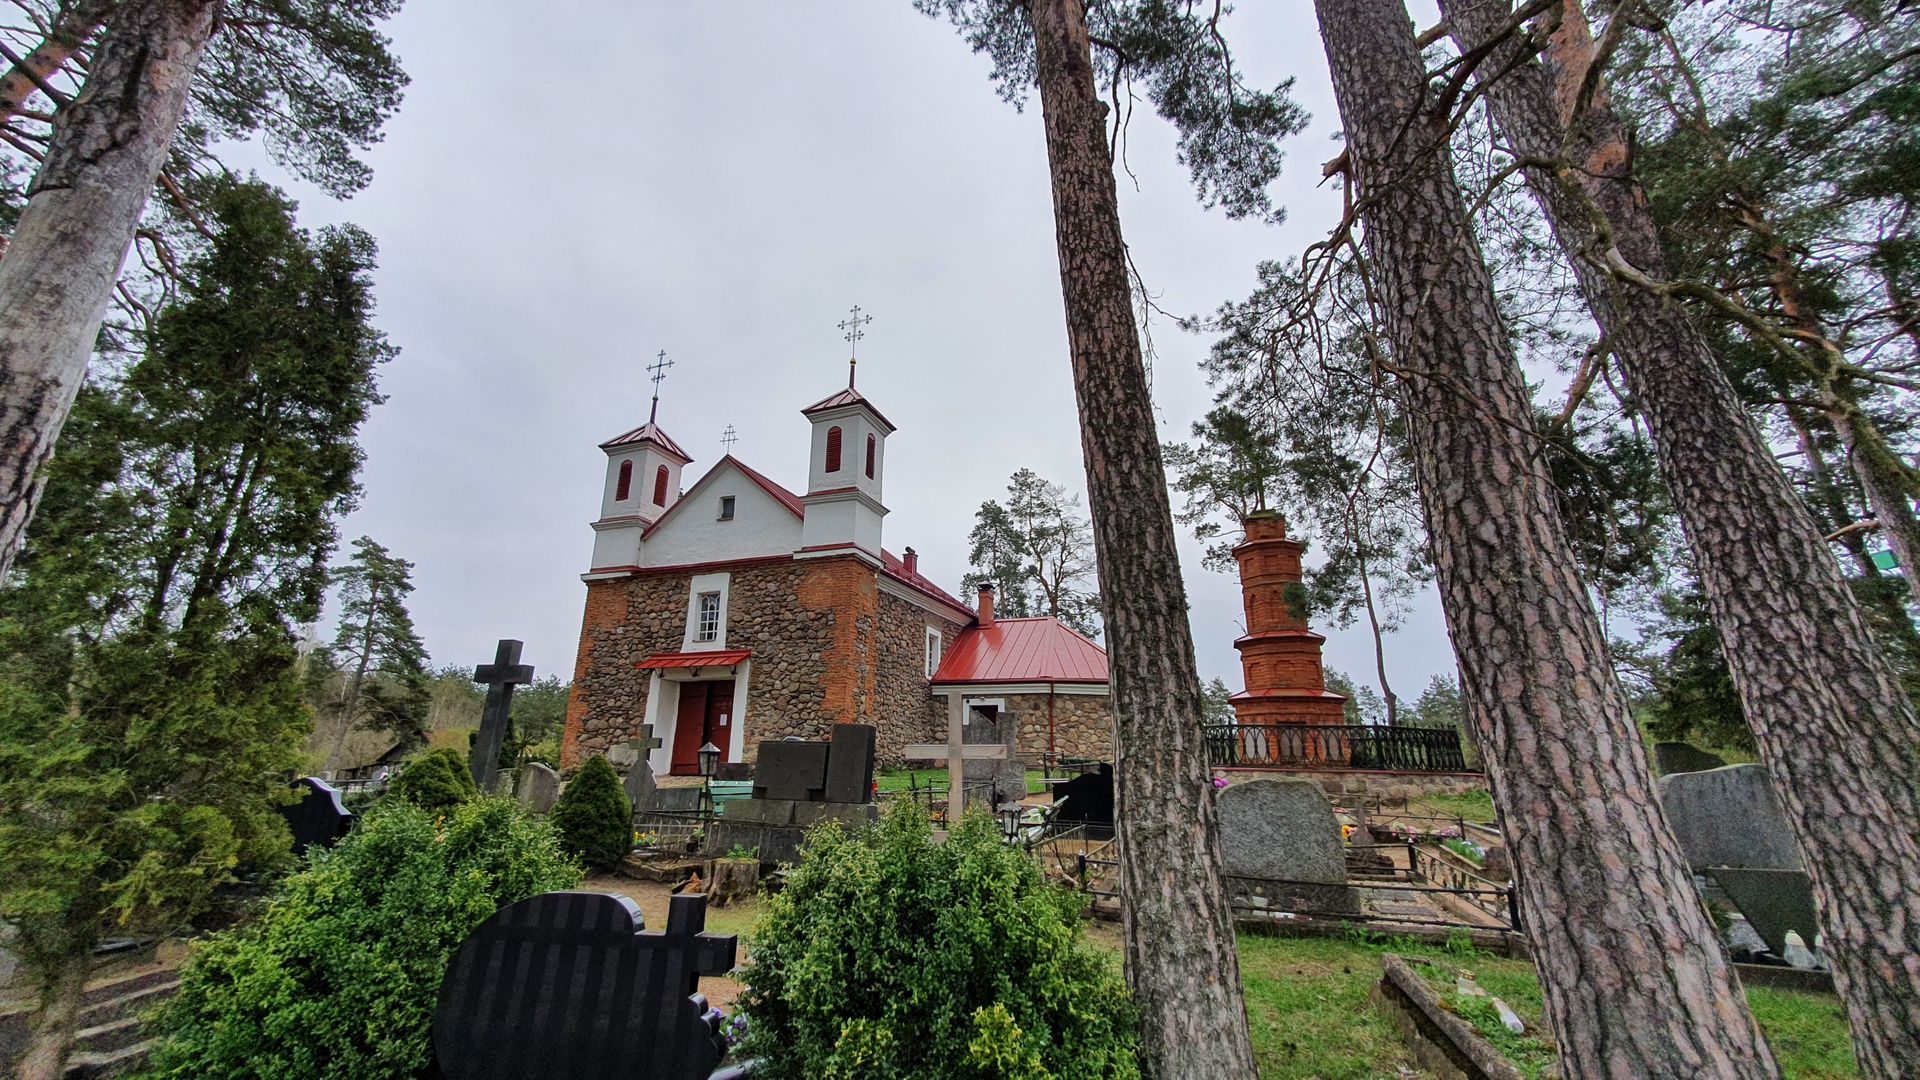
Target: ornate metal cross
[(659, 371), (728, 438), (852, 325)]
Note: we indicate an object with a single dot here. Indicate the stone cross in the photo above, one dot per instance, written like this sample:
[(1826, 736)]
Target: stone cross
[(956, 751), (501, 677)]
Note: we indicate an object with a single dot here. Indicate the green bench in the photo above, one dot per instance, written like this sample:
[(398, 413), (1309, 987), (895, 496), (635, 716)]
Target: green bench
[(722, 792)]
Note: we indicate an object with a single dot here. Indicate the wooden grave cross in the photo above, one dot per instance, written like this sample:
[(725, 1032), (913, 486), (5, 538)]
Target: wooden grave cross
[(956, 751)]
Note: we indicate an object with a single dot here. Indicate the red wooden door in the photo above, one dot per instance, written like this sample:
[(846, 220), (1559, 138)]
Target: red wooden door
[(690, 728), (706, 716)]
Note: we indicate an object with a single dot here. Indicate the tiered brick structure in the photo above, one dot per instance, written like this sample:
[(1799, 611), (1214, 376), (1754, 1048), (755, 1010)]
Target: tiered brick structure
[(1279, 657)]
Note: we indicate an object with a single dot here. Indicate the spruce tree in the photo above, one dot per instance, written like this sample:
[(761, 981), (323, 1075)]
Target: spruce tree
[(384, 686)]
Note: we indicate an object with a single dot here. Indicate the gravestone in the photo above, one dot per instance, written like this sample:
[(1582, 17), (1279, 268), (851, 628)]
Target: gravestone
[(1007, 773), (1670, 758), (537, 786), (1088, 798), (316, 816), (791, 770), (1728, 817), (850, 764), (501, 677), (569, 984), (1774, 902), (797, 785), (1284, 831), (639, 784)]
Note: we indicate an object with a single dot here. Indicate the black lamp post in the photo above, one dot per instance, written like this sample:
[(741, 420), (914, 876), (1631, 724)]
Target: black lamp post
[(709, 760)]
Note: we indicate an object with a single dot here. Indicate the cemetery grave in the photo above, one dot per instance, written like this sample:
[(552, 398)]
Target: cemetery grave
[(316, 816), (1733, 833)]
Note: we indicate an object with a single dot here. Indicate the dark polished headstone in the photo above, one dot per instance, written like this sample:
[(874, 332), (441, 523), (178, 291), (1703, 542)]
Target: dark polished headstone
[(316, 816), (567, 984), (500, 677), (850, 764), (1774, 902), (1089, 798), (791, 770), (734, 770)]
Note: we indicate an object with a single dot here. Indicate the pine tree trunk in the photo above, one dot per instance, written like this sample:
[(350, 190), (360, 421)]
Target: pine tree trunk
[(1181, 962), (1634, 979), (1833, 725), (350, 696), (82, 209), (56, 1021), (70, 31)]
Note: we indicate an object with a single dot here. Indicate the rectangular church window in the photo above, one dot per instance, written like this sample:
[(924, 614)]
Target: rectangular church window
[(707, 624), (726, 508)]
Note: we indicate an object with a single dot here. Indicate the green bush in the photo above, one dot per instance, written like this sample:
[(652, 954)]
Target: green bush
[(594, 817), (338, 977), (888, 955), (436, 780)]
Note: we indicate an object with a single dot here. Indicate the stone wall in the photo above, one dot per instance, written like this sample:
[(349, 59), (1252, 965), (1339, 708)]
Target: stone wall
[(904, 708), (1082, 726)]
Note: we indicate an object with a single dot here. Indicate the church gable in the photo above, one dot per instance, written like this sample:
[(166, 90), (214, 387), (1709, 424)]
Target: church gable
[(728, 515)]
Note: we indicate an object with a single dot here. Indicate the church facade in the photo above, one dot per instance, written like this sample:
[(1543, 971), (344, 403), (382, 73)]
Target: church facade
[(738, 611)]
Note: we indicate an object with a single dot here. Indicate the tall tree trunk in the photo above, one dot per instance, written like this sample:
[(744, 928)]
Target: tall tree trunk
[(1181, 962), (350, 695), (1837, 732), (81, 212), (1635, 981), (56, 1020)]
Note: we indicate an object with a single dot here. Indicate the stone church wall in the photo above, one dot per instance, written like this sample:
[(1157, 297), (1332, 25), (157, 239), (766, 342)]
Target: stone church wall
[(904, 708), (1082, 726)]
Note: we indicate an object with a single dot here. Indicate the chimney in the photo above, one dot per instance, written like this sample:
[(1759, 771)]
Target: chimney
[(911, 561), (986, 604)]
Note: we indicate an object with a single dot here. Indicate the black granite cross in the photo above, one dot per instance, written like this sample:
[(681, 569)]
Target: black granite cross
[(501, 677)]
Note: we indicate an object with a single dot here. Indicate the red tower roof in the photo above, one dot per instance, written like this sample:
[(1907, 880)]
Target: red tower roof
[(648, 432)]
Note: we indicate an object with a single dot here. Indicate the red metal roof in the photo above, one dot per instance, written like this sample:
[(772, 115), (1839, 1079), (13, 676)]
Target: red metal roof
[(897, 569), (780, 495), (711, 658), (1022, 651), (849, 396), (648, 432)]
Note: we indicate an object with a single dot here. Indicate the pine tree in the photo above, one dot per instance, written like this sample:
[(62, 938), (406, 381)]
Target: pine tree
[(1634, 980), (315, 75), (385, 685), (1041, 548)]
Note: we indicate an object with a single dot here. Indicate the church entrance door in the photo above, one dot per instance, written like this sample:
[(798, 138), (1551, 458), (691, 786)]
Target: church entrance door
[(705, 717)]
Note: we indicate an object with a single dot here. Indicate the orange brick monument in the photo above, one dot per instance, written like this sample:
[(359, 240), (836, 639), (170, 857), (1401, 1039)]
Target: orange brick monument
[(1279, 657)]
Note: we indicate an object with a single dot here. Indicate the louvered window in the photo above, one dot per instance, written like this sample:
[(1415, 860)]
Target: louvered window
[(624, 485), (660, 486), (833, 449)]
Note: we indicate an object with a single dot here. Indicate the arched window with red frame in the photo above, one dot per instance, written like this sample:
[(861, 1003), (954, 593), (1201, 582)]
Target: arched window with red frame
[(833, 449), (660, 486), (872, 443), (624, 486)]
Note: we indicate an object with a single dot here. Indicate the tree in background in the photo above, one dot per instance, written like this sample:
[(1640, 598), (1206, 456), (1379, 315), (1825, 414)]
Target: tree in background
[(1216, 706), (150, 705), (384, 684), (1181, 963), (316, 76), (1037, 550)]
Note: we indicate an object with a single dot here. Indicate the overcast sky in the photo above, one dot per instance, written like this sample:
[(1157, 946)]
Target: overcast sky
[(723, 182)]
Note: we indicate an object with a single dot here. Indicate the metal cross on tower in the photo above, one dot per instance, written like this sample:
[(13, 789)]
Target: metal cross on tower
[(659, 371), (728, 438), (852, 325)]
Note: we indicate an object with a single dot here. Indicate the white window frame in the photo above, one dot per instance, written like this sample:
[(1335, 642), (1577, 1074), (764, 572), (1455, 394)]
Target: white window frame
[(706, 627), (936, 649)]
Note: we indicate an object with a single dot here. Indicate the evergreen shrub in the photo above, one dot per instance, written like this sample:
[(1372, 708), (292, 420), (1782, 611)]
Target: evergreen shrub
[(436, 780), (339, 975), (889, 955), (594, 817)]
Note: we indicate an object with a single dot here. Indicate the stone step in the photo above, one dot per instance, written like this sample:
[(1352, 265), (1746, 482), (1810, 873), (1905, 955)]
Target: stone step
[(110, 1036), (93, 1065)]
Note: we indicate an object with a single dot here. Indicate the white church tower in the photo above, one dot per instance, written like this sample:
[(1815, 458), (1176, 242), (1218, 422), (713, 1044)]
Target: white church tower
[(643, 481), (844, 473)]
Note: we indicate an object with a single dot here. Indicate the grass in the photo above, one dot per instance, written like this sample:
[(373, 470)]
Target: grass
[(892, 780), (1472, 805), (1312, 1018)]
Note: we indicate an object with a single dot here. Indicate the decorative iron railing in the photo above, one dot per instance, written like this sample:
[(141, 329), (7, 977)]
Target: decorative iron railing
[(1335, 746)]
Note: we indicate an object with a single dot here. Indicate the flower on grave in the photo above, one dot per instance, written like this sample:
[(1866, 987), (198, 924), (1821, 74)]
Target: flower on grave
[(1219, 783), (734, 1029)]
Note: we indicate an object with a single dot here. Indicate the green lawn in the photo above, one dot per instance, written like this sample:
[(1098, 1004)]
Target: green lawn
[(892, 780), (1472, 805)]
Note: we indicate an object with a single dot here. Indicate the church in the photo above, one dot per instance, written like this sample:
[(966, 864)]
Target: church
[(735, 611)]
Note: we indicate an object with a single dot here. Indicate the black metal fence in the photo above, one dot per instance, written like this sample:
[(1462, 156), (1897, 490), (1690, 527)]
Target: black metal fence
[(1336, 746)]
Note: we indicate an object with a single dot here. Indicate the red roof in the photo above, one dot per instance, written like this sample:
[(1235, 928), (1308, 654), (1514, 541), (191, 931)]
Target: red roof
[(711, 658), (897, 569), (780, 495), (1022, 651), (648, 432), (843, 398)]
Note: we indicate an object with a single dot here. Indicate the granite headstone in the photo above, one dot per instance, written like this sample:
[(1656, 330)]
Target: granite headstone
[(1728, 817), (988, 727), (1670, 758), (1284, 831), (791, 770), (316, 816), (568, 984), (1087, 798), (537, 786), (1774, 902), (850, 764)]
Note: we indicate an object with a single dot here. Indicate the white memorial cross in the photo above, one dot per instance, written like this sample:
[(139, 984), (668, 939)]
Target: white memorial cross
[(956, 752)]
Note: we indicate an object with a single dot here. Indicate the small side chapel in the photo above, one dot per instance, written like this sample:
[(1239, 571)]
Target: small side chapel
[(737, 612)]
